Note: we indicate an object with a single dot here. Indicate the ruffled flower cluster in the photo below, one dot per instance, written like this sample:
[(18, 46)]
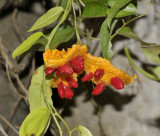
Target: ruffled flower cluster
[(67, 65)]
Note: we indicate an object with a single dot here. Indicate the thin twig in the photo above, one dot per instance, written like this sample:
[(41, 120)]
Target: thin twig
[(2, 130), (31, 71), (15, 27), (10, 81), (9, 66), (9, 124), (14, 110), (51, 128)]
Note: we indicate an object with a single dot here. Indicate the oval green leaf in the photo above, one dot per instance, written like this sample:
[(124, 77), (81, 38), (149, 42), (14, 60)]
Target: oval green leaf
[(152, 53), (27, 44), (48, 18), (39, 89), (128, 10), (114, 10), (62, 35), (105, 35), (127, 32), (83, 131), (35, 123), (95, 9)]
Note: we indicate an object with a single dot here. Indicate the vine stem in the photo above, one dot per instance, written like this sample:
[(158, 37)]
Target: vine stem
[(49, 107), (127, 53), (124, 24), (61, 21), (56, 114), (75, 22)]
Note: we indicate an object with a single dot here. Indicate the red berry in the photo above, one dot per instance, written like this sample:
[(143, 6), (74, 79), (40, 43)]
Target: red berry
[(98, 74), (77, 64), (61, 90), (98, 89), (49, 70), (117, 83), (87, 77), (68, 92), (57, 72), (66, 69), (72, 82)]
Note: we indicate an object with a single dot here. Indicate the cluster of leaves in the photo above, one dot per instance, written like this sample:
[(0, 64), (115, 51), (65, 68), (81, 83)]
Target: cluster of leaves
[(41, 105)]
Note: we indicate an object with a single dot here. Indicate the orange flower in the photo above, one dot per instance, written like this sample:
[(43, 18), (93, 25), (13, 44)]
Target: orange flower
[(75, 60)]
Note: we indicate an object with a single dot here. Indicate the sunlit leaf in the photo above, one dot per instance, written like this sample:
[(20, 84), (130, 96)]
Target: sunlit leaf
[(95, 9), (35, 123), (48, 18), (83, 131), (114, 10), (39, 86), (152, 53), (27, 44), (106, 44), (62, 35)]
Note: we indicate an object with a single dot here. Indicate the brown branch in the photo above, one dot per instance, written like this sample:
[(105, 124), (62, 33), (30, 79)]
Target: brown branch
[(14, 111), (2, 130), (15, 27), (9, 66), (10, 81), (9, 124)]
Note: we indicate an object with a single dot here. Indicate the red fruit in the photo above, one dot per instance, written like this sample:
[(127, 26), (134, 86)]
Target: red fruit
[(87, 77), (77, 64), (61, 90), (57, 72), (98, 74), (117, 83), (49, 70), (68, 92), (72, 82), (98, 89), (66, 69)]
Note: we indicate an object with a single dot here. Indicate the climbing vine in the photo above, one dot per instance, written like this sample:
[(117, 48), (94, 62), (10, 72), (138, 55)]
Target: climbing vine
[(61, 68)]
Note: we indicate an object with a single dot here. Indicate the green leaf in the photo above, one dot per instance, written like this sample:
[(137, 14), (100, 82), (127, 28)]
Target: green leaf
[(152, 53), (48, 18), (37, 90), (95, 9), (106, 44), (35, 123), (64, 3), (27, 44), (62, 35), (127, 32), (156, 72), (114, 10), (89, 1), (83, 131), (128, 10)]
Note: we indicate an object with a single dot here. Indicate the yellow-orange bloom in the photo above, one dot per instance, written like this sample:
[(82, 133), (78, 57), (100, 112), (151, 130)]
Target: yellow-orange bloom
[(56, 58)]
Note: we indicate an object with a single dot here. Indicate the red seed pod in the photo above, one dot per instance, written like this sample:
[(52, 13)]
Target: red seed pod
[(77, 64), (68, 92), (66, 69), (72, 82), (87, 77), (57, 72), (61, 90), (49, 70), (98, 74), (117, 83), (98, 89)]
